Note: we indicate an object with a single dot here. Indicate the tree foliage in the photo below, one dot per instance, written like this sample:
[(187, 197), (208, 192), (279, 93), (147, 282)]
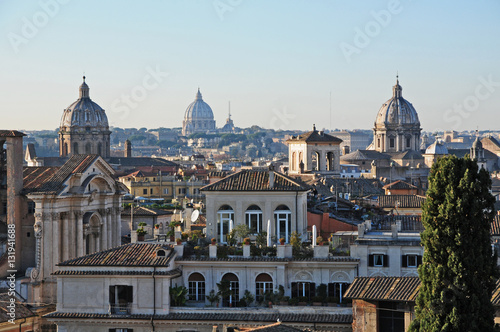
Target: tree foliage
[(458, 273)]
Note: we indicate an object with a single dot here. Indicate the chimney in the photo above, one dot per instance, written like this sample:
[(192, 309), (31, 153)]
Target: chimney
[(271, 177), (128, 149)]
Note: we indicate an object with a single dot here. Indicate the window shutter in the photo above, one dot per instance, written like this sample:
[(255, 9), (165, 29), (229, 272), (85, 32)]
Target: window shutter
[(419, 260), (112, 294), (370, 260), (386, 260), (404, 261), (313, 290)]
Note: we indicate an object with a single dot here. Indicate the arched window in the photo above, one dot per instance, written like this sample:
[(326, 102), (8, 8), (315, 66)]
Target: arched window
[(196, 284), (88, 148), (283, 222), (75, 148), (231, 288), (330, 157), (224, 215), (263, 285), (294, 161), (253, 218), (315, 161)]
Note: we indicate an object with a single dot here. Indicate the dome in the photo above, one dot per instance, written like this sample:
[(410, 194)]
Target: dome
[(397, 111), (84, 113), (436, 148), (198, 109)]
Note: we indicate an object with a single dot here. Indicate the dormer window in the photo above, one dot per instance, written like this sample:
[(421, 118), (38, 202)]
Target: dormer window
[(161, 253)]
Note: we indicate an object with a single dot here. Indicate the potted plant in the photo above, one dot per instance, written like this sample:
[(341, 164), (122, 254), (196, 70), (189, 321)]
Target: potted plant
[(157, 226), (178, 241), (319, 240), (178, 295), (140, 234), (213, 297), (246, 241), (214, 241), (282, 241), (141, 231)]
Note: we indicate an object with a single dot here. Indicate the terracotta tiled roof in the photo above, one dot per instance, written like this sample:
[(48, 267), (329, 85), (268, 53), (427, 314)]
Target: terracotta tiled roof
[(403, 201), (22, 310), (220, 317), (395, 289), (140, 161), (145, 211), (399, 184), (54, 184), (132, 254), (35, 177), (255, 180), (174, 273), (384, 288), (495, 297), (269, 259), (495, 226), (276, 327), (314, 136), (11, 133), (406, 155)]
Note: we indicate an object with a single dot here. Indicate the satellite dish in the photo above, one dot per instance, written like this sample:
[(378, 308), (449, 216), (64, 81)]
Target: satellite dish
[(195, 215)]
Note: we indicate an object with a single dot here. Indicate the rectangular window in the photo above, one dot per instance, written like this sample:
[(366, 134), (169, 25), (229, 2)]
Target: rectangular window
[(144, 191), (391, 142), (196, 290), (408, 141), (411, 260), (182, 191), (165, 191), (303, 289), (261, 288), (151, 191), (120, 298), (378, 260), (121, 330), (337, 290)]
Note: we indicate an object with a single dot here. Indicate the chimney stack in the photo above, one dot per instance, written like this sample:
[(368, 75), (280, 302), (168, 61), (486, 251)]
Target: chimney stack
[(128, 149), (271, 176)]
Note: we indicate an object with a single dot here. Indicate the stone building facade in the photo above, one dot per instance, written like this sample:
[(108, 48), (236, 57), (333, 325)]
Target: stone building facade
[(314, 151)]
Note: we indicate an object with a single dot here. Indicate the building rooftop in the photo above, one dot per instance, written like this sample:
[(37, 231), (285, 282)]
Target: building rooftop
[(256, 180)]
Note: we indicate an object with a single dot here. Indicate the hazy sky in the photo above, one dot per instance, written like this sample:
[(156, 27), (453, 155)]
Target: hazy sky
[(278, 62)]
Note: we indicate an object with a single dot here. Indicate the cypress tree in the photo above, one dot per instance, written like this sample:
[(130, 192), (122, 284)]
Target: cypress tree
[(459, 270)]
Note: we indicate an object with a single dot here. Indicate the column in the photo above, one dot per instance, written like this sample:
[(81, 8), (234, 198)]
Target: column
[(109, 228), (38, 227), (102, 230), (118, 226), (79, 234), (65, 235), (47, 238), (56, 248), (72, 235)]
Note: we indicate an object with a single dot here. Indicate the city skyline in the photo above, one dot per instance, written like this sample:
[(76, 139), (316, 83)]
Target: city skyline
[(278, 63)]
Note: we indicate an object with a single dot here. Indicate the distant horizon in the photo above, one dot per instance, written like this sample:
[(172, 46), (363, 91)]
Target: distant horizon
[(280, 64)]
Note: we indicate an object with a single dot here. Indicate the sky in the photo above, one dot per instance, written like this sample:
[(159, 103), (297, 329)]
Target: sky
[(281, 64)]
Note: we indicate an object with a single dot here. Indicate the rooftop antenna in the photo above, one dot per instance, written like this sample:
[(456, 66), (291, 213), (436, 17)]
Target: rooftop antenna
[(330, 109)]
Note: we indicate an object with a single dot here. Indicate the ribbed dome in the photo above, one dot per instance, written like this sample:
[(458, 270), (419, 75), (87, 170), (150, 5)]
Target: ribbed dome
[(397, 111), (84, 113), (198, 109), (436, 148)]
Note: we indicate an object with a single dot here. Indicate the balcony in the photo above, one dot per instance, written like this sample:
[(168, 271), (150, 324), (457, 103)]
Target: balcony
[(120, 308)]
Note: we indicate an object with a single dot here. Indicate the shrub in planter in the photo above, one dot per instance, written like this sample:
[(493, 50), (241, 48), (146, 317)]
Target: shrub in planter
[(319, 240), (246, 241), (214, 240), (293, 301), (282, 241)]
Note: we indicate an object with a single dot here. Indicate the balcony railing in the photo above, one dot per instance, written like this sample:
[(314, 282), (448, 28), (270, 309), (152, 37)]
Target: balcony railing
[(120, 308)]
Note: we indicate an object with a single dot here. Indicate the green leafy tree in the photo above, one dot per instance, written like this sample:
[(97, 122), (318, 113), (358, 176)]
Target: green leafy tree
[(178, 295), (241, 231), (458, 272)]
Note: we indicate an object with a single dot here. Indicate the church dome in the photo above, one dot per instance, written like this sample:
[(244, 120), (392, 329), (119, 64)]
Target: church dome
[(198, 110), (397, 111), (437, 148), (84, 113)]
